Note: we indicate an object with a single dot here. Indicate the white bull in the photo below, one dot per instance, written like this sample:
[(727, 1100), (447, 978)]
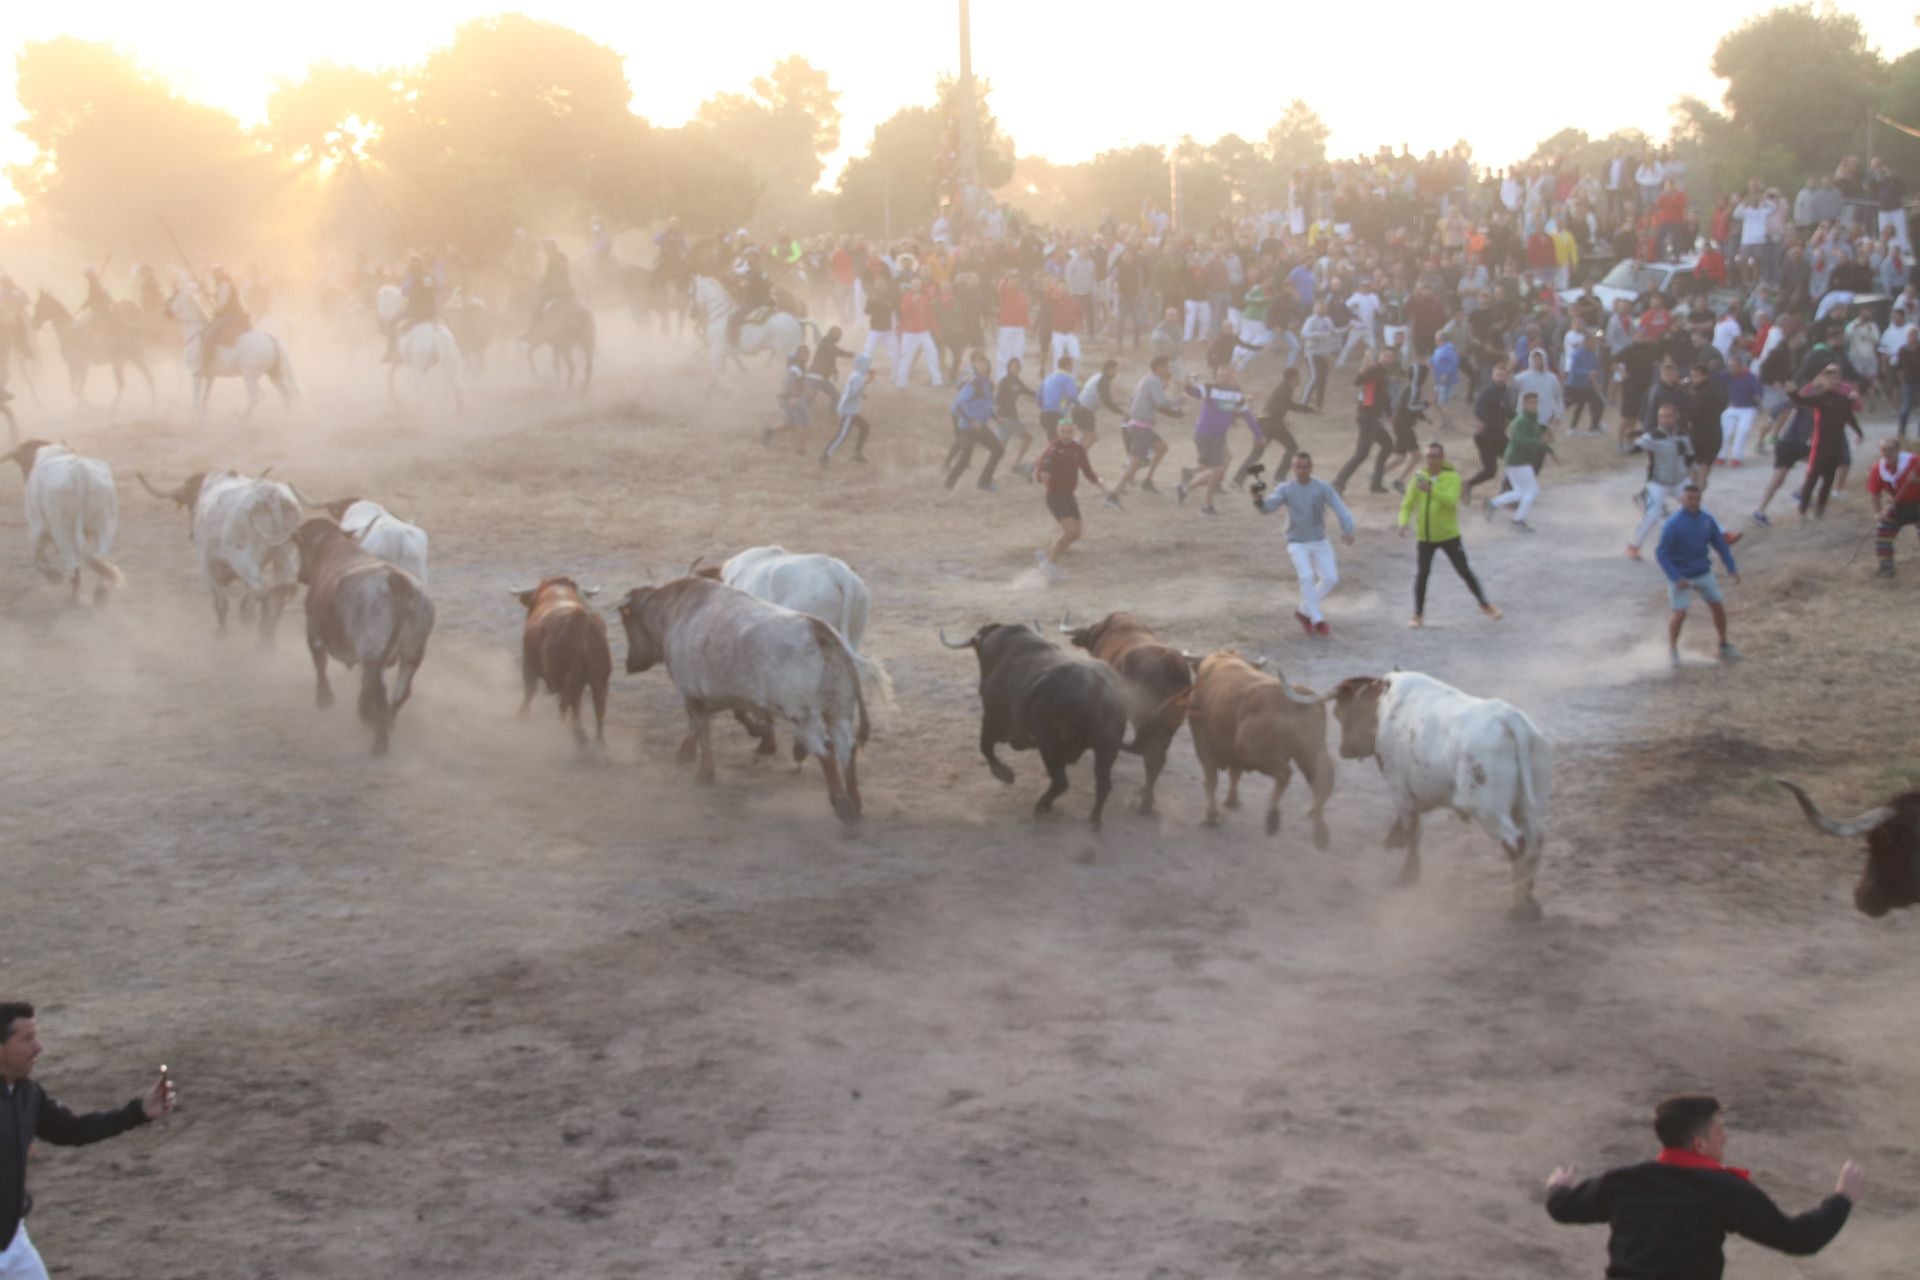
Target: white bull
[(806, 583), (243, 528), (72, 514), (728, 651), (381, 533), (1440, 748)]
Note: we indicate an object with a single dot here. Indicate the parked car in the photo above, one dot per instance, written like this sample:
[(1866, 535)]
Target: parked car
[(1636, 281)]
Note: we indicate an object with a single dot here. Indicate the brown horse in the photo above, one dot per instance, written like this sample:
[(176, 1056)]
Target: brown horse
[(95, 340)]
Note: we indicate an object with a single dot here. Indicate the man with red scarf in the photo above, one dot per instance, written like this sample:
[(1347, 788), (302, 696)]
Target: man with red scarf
[(1671, 1216)]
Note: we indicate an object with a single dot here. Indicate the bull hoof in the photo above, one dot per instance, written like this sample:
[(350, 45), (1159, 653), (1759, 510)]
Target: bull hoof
[(1233, 802), (1321, 836), (1144, 805), (1273, 822), (687, 752), (1041, 807), (380, 746), (704, 777), (767, 746), (1397, 836), (1527, 912), (1001, 772), (1211, 820), (323, 699), (1408, 877)]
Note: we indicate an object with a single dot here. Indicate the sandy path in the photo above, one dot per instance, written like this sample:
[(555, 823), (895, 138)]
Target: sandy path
[(482, 1009)]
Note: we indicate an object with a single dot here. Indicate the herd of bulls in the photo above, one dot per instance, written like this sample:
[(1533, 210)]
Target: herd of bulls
[(772, 636)]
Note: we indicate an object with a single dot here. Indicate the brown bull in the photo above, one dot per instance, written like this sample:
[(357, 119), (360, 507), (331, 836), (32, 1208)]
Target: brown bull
[(1154, 675), (565, 644), (1246, 721), (363, 612), (1892, 877)]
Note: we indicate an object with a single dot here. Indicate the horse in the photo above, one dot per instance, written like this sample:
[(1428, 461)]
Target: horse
[(16, 342), (95, 340), (474, 326), (424, 346), (561, 326), (779, 333), (251, 355)]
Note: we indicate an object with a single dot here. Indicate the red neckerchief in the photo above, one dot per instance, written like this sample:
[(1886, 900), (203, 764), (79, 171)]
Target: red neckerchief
[(1692, 1160)]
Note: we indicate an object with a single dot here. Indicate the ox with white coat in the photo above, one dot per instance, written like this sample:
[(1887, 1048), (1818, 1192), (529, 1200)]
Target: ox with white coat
[(379, 532), (72, 514), (1441, 748), (243, 528), (728, 651), (806, 583)]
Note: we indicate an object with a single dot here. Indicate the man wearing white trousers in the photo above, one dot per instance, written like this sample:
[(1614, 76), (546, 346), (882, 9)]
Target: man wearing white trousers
[(1742, 411), (1011, 312), (1307, 501), (1526, 450), (1669, 459)]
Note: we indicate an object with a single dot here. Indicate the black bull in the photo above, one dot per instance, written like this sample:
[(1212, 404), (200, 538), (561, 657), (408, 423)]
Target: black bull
[(1035, 696), (1892, 875)]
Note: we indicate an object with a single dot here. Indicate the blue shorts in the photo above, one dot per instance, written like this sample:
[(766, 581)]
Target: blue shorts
[(1704, 586)]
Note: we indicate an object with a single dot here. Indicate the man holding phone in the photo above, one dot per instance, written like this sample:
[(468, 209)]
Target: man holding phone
[(26, 1113), (1432, 510)]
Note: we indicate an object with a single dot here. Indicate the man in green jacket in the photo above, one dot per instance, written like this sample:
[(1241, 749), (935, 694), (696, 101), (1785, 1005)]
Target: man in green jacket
[(1526, 450), (1432, 510)]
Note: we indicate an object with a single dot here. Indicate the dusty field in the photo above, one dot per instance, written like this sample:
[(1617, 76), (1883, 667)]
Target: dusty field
[(481, 1009)]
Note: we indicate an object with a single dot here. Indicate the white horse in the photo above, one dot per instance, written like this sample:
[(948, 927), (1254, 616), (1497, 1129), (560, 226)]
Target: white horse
[(425, 346), (252, 355), (779, 333)]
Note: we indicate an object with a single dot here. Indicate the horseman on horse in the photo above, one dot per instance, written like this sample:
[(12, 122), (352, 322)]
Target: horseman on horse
[(147, 290), (752, 293), (421, 292), (556, 285), (229, 320)]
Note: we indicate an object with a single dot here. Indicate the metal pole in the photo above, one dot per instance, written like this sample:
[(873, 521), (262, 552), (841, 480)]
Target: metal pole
[(1173, 182), (886, 207)]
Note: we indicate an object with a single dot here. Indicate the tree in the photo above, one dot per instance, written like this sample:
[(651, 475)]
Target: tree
[(1297, 140), (1206, 189), (329, 115), (912, 163), (1121, 182), (1801, 79), (1900, 100), (785, 130), (114, 146), (1727, 154)]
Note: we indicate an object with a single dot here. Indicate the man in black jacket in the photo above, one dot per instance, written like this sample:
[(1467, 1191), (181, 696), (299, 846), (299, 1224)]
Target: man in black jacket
[(26, 1113), (1671, 1216)]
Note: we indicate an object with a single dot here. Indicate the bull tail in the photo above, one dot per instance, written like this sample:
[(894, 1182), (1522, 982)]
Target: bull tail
[(107, 570), (1533, 821), (407, 599), (1169, 715), (84, 544)]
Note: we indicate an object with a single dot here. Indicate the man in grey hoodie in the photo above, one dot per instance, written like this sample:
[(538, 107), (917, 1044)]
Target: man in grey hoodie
[(1307, 500), (1669, 456), (1541, 380), (1144, 443), (852, 401)]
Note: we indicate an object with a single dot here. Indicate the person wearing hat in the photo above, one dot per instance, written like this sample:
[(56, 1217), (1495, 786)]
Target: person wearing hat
[(1685, 541)]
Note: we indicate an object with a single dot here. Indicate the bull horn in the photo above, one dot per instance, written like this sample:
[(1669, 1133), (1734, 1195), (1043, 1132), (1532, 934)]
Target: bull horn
[(1065, 626), (298, 496), (1191, 656), (517, 592), (1261, 661), (694, 564), (1847, 830), (964, 644), (266, 473), (588, 593)]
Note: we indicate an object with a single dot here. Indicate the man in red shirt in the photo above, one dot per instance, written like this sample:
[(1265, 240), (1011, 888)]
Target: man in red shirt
[(915, 326), (1655, 320), (1894, 484), (1011, 303), (1059, 468)]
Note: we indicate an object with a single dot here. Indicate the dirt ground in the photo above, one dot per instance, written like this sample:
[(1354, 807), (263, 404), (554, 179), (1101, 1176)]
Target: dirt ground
[(485, 1009)]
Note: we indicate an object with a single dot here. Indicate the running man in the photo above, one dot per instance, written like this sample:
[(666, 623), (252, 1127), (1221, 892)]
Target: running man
[(1833, 416), (1670, 460), (973, 425), (1493, 409), (1307, 500), (1273, 427), (1432, 510), (1007, 425), (1058, 391), (1222, 402), (1151, 401), (852, 401), (1526, 450), (1096, 395), (1059, 468), (1684, 543), (1893, 482), (1375, 383)]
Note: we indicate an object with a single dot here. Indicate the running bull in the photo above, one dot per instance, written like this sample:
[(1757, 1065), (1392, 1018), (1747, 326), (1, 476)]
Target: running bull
[(1156, 678), (727, 651), (565, 644), (1036, 696), (1892, 877), (363, 612), (243, 528), (1246, 721), (1441, 748)]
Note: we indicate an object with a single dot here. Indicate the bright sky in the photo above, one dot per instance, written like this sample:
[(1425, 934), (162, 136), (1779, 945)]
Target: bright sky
[(1068, 80)]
